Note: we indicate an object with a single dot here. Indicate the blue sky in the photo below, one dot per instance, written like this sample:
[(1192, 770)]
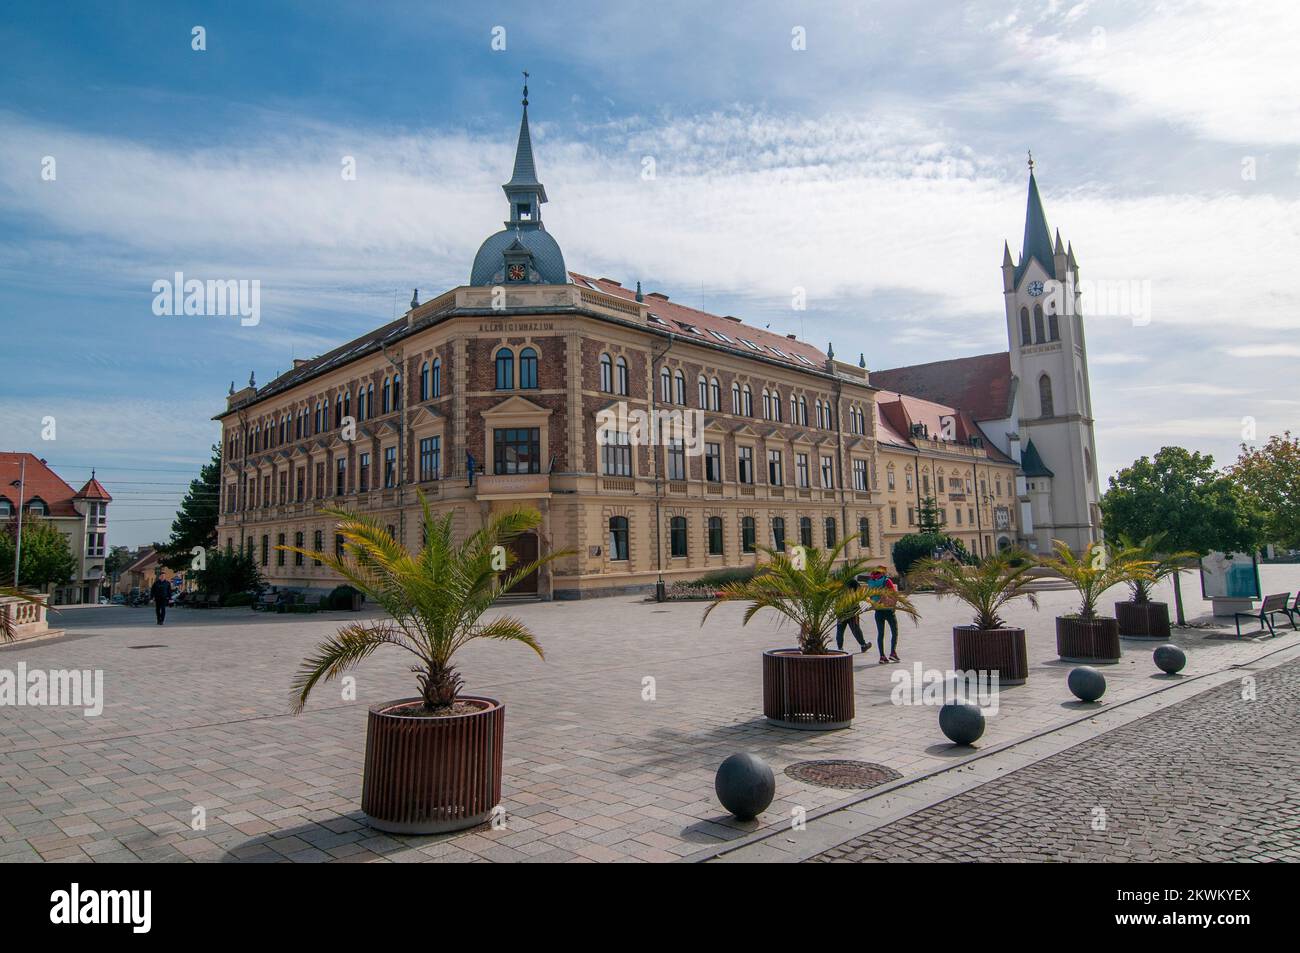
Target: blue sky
[(880, 168)]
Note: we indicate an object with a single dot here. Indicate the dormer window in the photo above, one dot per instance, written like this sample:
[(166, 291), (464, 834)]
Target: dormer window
[(37, 507), (6, 508)]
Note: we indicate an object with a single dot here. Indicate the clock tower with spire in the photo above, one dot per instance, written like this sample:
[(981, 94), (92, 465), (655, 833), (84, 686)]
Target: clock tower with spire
[(1052, 407)]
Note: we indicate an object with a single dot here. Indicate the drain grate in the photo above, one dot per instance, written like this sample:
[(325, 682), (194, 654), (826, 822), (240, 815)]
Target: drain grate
[(146, 646), (843, 775)]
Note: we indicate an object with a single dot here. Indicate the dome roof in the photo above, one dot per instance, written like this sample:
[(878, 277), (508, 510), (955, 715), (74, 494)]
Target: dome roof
[(547, 259)]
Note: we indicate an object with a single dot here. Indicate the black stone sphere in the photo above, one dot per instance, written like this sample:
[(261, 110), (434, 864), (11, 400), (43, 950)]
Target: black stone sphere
[(1086, 683), (1170, 659), (962, 722), (745, 785)]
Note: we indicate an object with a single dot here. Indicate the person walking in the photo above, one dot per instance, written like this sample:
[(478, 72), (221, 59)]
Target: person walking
[(161, 593), (884, 597), (853, 623)]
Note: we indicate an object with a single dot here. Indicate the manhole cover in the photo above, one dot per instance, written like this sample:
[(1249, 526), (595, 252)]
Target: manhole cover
[(146, 646), (845, 775)]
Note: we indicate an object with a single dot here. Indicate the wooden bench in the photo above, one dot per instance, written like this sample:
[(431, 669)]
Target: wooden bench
[(1275, 604), (265, 602), (307, 602), (200, 601)]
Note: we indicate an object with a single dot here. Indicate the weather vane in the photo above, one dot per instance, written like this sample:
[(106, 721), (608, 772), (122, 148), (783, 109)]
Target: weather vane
[(1031, 154), (525, 87)]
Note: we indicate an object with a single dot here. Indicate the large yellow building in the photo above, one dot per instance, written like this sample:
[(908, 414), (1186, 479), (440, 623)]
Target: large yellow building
[(533, 386)]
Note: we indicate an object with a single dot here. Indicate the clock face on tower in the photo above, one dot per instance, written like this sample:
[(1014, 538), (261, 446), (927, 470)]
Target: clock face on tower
[(516, 272), (1035, 288)]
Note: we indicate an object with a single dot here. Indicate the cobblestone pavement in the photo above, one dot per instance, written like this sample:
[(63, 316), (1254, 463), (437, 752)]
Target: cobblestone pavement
[(196, 728), (1212, 778)]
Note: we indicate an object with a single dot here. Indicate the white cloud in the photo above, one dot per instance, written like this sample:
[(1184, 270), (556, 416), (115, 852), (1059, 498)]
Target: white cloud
[(1265, 350)]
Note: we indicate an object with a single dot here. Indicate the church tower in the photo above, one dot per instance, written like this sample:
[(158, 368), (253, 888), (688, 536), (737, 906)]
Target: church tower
[(1053, 405)]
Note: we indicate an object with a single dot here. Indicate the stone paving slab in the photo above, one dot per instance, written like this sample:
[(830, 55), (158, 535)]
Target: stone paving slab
[(593, 770)]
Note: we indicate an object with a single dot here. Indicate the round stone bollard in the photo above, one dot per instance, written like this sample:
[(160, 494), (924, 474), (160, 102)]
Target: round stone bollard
[(962, 722), (1170, 659), (745, 785), (1086, 683)]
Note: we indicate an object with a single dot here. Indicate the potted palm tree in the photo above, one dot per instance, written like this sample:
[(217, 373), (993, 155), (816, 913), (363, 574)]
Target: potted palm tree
[(1086, 636), (433, 761), (809, 686), (988, 644), (1141, 617)]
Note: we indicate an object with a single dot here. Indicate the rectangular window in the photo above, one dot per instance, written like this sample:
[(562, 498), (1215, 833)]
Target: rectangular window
[(911, 516), (266, 550), (266, 490), (618, 538), (338, 545), (279, 553), (517, 450), (320, 480), (341, 476), (830, 532), (677, 536), (284, 487), (828, 473), (300, 474), (715, 535), (390, 467), (746, 461), (297, 541), (747, 534), (778, 534), (859, 474), (893, 516), (363, 473), (774, 476), (676, 454), (801, 469), (616, 454), (713, 463), (864, 532), (318, 543), (889, 479), (430, 458)]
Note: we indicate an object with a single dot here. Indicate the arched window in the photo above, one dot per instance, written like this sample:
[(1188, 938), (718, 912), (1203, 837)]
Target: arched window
[(424, 381), (528, 369), (666, 386), (830, 532), (1053, 327), (735, 398), (778, 534), (767, 405), (776, 405), (387, 399), (606, 374), (747, 534), (618, 537), (347, 404), (397, 392), (715, 536), (1045, 396), (505, 369), (704, 393), (803, 411), (794, 409), (677, 536), (436, 390), (715, 394), (864, 532), (1025, 338), (817, 408), (620, 368), (805, 531), (748, 402), (681, 388), (338, 410), (1039, 335)]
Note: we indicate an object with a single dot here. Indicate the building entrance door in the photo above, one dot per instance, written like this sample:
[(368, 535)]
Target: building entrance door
[(524, 548)]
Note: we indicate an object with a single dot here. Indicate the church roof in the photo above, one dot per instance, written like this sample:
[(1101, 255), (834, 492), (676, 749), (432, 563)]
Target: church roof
[(547, 257), (1037, 242), (979, 385), (1032, 463), (525, 171)]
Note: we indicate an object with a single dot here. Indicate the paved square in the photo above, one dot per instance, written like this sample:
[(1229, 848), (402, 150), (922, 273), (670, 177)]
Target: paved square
[(196, 720)]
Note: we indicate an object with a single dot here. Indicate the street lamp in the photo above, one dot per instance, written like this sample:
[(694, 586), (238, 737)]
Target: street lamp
[(21, 483)]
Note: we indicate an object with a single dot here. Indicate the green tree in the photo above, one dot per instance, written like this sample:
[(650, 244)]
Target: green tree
[(227, 571), (1270, 477), (928, 518), (1181, 495), (46, 557), (196, 520), (915, 546)]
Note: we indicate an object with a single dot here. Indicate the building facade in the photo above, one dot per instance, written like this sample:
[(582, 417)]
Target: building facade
[(540, 387), (81, 515)]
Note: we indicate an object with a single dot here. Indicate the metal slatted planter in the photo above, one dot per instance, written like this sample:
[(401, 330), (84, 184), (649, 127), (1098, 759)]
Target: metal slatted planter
[(1094, 641), (432, 775), (1143, 620), (991, 650), (810, 692)]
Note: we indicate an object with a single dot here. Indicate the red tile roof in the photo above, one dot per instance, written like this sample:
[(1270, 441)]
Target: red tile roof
[(94, 490), (39, 481), (897, 413), (979, 385), (735, 331)]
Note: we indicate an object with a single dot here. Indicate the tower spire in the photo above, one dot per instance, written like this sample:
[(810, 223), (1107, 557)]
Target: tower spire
[(1037, 243), (525, 193)]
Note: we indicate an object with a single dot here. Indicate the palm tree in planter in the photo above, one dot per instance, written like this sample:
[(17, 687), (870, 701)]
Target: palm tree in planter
[(987, 586), (1140, 617), (1086, 636), (433, 761), (809, 686)]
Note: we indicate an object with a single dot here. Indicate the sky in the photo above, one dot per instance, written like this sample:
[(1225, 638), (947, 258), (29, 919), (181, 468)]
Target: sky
[(871, 153)]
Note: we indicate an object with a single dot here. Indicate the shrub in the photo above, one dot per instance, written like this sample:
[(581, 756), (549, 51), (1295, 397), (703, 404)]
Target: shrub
[(341, 597), (917, 546)]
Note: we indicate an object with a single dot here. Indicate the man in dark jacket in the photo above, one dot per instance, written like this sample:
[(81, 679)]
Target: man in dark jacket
[(160, 592)]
